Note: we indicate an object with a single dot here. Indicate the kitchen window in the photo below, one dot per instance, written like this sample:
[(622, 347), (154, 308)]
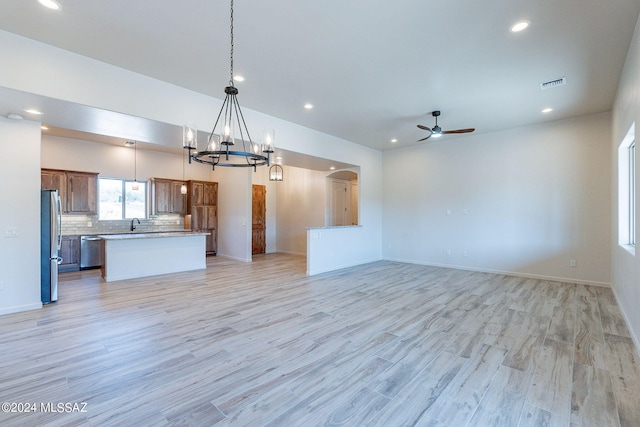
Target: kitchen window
[(118, 200)]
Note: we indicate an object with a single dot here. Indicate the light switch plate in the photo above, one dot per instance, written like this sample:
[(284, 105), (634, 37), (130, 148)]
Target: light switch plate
[(11, 232)]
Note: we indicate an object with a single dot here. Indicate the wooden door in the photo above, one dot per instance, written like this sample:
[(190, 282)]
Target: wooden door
[(259, 215)]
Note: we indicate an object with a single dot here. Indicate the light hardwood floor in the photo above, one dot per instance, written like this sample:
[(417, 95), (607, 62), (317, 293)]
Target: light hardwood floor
[(384, 344)]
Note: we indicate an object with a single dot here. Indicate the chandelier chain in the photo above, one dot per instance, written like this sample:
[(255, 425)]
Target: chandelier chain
[(231, 76)]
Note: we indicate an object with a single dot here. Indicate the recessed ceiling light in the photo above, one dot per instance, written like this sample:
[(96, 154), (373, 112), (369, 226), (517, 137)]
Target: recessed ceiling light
[(238, 78), (308, 106), (520, 26), (14, 116), (394, 140), (332, 168), (129, 143), (547, 110), (43, 127), (50, 4), (33, 111)]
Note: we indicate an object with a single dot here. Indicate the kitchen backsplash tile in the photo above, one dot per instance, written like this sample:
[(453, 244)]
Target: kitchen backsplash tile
[(87, 225)]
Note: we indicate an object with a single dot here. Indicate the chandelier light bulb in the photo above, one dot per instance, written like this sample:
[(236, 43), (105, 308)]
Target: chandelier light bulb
[(190, 136), (269, 141)]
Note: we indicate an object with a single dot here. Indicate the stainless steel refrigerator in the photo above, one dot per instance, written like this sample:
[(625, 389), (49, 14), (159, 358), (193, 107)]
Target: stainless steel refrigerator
[(50, 241)]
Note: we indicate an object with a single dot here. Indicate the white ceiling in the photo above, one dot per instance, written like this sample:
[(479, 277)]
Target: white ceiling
[(373, 69)]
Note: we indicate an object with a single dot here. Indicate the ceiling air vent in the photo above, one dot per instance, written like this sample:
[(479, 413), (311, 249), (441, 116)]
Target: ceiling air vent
[(553, 83)]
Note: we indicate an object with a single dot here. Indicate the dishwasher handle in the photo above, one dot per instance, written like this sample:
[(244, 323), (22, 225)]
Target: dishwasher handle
[(91, 239)]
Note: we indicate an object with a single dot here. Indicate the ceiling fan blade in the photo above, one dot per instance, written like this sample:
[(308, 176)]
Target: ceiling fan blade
[(459, 130), (424, 128), (423, 139)]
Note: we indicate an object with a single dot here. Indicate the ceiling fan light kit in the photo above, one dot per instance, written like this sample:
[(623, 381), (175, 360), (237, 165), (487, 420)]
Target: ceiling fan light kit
[(437, 131)]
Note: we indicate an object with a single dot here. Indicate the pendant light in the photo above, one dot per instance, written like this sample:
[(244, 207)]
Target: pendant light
[(183, 187), (135, 186), (275, 173), (231, 131)]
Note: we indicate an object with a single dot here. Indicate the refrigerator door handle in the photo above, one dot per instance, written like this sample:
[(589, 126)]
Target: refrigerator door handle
[(59, 230)]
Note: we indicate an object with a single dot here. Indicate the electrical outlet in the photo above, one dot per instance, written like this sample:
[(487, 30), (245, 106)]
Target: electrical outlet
[(572, 263), (89, 224), (448, 252), (11, 232)]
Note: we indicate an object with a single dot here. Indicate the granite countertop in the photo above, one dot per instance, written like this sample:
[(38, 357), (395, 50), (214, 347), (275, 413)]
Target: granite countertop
[(156, 235)]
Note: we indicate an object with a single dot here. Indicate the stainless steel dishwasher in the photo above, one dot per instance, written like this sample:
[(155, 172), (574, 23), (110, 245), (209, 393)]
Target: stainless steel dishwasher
[(90, 252)]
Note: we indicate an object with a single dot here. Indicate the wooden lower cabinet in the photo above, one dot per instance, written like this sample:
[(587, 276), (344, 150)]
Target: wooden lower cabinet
[(70, 253)]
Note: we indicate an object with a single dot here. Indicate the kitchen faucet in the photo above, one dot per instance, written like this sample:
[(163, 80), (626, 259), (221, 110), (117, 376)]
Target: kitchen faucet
[(133, 227)]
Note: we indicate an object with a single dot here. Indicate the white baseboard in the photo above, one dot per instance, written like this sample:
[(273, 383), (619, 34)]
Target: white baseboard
[(340, 267), (635, 337), (20, 308), (507, 273)]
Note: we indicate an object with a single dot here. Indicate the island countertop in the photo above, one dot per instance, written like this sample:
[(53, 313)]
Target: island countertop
[(152, 235)]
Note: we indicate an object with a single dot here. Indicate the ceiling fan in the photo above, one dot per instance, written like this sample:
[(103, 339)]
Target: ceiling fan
[(437, 130)]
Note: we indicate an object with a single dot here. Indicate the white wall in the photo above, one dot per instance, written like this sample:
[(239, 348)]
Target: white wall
[(115, 161), (625, 266), (523, 201), (301, 204), (20, 195), (234, 213)]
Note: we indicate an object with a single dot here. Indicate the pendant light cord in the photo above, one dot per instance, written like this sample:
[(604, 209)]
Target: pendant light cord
[(231, 76)]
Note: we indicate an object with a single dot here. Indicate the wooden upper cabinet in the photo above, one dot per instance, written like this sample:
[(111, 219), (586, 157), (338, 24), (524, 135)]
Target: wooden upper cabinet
[(166, 196), (78, 191), (178, 200), (196, 193), (82, 193), (55, 180), (210, 194), (161, 190)]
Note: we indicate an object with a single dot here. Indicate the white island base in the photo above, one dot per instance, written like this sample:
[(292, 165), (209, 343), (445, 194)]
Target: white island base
[(129, 256)]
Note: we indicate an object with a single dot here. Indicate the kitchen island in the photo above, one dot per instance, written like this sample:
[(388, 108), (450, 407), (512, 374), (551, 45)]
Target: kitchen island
[(133, 255)]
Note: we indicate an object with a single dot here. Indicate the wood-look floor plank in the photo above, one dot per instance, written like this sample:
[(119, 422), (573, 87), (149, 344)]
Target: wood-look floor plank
[(625, 375), (461, 398), (592, 399), (552, 379), (502, 403), (413, 402), (381, 344)]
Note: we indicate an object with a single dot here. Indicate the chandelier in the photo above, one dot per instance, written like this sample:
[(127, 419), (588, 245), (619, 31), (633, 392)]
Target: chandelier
[(232, 131)]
